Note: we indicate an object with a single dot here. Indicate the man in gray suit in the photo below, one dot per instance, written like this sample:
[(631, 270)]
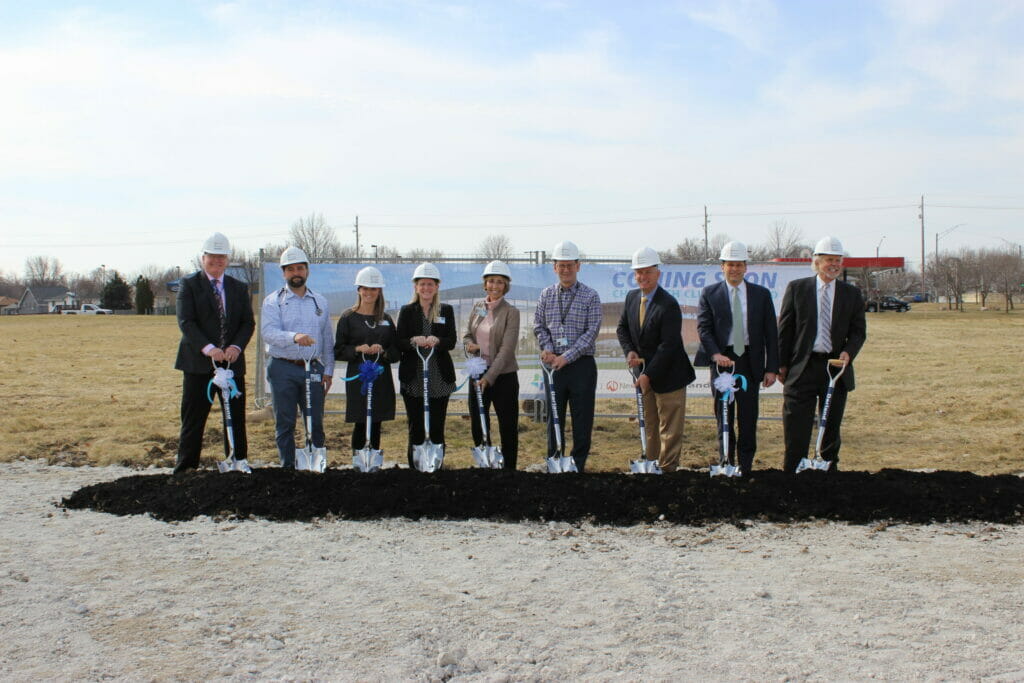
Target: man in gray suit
[(821, 318), (650, 331), (737, 328)]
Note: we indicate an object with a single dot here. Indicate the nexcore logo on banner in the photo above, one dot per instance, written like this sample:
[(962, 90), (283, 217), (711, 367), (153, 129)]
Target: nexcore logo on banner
[(461, 286)]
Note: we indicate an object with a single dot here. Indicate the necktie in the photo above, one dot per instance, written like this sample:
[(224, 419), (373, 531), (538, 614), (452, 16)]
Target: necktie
[(737, 323), (223, 317), (643, 308), (825, 318)]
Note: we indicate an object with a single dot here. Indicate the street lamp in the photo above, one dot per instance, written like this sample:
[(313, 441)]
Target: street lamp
[(943, 234), (376, 259), (879, 246)]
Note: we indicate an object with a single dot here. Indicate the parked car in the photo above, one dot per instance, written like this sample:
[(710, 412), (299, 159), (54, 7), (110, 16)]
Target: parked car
[(886, 303), (916, 297), (87, 309)]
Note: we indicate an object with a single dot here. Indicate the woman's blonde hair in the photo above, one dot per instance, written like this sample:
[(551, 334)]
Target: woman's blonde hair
[(378, 306), (435, 305)]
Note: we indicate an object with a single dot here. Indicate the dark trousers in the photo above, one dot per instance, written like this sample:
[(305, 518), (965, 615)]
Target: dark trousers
[(288, 389), (575, 385), (414, 411), (743, 409), (359, 435), (800, 402), (195, 409), (504, 396)]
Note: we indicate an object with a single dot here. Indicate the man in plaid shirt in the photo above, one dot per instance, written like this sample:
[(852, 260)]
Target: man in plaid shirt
[(566, 324)]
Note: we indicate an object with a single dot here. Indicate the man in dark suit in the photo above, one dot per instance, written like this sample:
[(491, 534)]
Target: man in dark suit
[(821, 318), (216, 321), (650, 332), (737, 327)]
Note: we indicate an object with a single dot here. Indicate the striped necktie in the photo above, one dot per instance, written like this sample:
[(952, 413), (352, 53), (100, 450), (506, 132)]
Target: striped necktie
[(219, 294), (825, 318), (738, 346)]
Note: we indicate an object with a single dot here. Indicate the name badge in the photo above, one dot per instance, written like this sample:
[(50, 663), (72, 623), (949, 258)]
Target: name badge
[(315, 377), (562, 342), (481, 311), (440, 320)]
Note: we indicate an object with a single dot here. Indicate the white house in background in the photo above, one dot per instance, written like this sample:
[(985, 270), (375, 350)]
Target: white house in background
[(46, 300)]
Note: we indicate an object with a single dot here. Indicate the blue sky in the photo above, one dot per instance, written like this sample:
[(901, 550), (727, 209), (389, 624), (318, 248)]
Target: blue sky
[(132, 130)]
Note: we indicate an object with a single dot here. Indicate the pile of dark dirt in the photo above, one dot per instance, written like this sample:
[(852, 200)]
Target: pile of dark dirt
[(685, 497)]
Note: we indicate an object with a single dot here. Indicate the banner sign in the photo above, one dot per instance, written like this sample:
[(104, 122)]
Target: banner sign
[(461, 287)]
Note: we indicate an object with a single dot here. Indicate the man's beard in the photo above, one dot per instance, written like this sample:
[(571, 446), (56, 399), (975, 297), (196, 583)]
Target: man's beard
[(296, 281)]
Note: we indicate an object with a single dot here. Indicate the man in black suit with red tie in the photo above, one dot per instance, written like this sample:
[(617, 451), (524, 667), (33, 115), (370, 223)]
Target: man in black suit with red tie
[(216, 320), (821, 318), (737, 328), (650, 331)]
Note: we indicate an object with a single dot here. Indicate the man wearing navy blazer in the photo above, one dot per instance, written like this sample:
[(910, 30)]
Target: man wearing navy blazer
[(737, 328), (650, 333), (216, 320), (807, 340)]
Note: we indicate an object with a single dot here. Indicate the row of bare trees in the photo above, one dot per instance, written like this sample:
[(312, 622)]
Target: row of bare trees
[(985, 272), (784, 240)]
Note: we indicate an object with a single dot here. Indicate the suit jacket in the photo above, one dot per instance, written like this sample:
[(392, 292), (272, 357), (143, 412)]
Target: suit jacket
[(659, 342), (714, 325), (504, 337), (798, 325), (199, 320), (410, 324)]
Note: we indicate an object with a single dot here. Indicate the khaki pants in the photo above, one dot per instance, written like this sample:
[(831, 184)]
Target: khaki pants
[(665, 415)]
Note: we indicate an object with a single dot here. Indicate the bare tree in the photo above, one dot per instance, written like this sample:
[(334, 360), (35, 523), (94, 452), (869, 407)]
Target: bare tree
[(247, 267), (691, 250), (43, 271), (496, 247), (425, 254), (784, 240), (388, 254), (11, 285), (315, 237)]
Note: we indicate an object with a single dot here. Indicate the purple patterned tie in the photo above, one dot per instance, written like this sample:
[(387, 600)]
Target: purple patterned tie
[(223, 317)]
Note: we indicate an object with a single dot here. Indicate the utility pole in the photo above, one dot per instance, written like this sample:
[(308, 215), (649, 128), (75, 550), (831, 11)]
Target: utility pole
[(357, 237), (920, 215), (705, 232)]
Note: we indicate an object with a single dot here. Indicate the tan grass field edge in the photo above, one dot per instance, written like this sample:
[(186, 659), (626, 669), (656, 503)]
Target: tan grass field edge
[(935, 389)]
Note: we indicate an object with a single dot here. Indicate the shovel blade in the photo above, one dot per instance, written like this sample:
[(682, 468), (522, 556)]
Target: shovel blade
[(644, 466), (813, 464), (428, 456), (303, 459), (232, 465), (319, 460), (488, 457), (368, 460), (726, 471), (559, 464)]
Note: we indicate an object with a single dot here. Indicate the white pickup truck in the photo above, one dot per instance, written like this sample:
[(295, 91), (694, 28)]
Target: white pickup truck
[(87, 309)]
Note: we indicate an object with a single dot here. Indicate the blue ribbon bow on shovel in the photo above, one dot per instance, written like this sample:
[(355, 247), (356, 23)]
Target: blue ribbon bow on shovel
[(223, 378), (725, 383)]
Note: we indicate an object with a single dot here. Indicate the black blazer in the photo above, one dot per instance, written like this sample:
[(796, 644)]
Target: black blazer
[(410, 324), (659, 343), (714, 325), (199, 320), (798, 325)]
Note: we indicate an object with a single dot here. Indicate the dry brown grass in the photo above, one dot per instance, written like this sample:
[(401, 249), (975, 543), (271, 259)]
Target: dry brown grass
[(935, 389)]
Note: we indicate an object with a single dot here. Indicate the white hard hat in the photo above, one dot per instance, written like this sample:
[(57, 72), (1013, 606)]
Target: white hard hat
[(828, 245), (733, 251), (217, 244), (645, 257), (427, 270), (498, 268), (369, 277), (565, 251), (293, 255)]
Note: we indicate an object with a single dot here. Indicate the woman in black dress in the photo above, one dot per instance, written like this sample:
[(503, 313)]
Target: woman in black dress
[(364, 331), (426, 323)]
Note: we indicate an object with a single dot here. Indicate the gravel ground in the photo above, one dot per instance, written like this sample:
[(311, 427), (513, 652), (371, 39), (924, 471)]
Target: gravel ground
[(86, 595)]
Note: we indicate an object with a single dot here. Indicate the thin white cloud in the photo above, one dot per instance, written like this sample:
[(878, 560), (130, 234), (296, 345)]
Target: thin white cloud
[(749, 22)]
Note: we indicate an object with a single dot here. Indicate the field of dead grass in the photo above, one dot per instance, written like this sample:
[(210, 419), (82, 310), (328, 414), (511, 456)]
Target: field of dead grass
[(935, 389)]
